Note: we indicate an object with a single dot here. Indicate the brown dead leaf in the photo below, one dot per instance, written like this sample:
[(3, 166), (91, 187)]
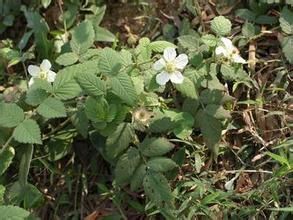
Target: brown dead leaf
[(97, 215), (244, 183)]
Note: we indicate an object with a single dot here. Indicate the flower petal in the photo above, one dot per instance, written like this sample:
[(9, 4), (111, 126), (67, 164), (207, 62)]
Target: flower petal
[(31, 82), (160, 64), (162, 78), (45, 65), (169, 54), (238, 59), (176, 77), (33, 70), (181, 61), (51, 76), (221, 51), (228, 44)]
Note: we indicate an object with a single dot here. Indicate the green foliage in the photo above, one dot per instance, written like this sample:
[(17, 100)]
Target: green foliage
[(157, 188), (126, 166), (119, 140), (6, 157), (28, 132), (287, 46), (2, 191), (27, 194), (123, 87), (161, 164), (65, 87), (159, 46), (11, 115), (152, 147), (210, 127), (160, 142), (286, 20), (67, 59), (137, 177), (221, 26), (110, 61), (13, 212), (91, 84), (35, 97), (83, 37), (52, 108)]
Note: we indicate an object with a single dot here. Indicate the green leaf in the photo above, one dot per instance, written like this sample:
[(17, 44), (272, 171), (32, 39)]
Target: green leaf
[(161, 164), (213, 97), (67, 59), (82, 37), (6, 158), (10, 212), (211, 129), (161, 123), (246, 14), (41, 84), (52, 108), (35, 97), (250, 30), (65, 87), (143, 50), (280, 159), (122, 86), (91, 84), (99, 14), (210, 40), (81, 122), (138, 176), (286, 20), (217, 111), (282, 209), (265, 19), (160, 46), (117, 142), (11, 115), (102, 34), (187, 88), (287, 47), (221, 26), (152, 147), (46, 3), (157, 188), (27, 195), (126, 165), (110, 61), (189, 42), (228, 72), (28, 132), (184, 125), (2, 192)]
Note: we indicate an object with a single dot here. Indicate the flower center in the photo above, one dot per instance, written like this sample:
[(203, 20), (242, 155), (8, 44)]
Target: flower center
[(43, 75), (170, 67)]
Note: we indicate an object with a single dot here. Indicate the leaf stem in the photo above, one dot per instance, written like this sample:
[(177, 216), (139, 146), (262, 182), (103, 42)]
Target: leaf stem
[(6, 144)]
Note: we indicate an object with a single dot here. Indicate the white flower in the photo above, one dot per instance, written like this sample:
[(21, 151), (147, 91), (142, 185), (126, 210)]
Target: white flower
[(229, 51), (41, 72), (170, 65)]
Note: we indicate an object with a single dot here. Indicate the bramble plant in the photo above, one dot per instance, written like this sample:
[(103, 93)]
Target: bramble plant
[(146, 109)]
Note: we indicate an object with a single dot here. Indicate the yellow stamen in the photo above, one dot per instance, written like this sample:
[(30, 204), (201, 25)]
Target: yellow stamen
[(170, 67)]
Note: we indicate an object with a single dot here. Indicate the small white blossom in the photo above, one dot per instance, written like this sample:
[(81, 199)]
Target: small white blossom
[(229, 51), (41, 72), (170, 67)]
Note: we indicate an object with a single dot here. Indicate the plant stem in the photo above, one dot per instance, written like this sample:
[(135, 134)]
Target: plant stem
[(6, 144)]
